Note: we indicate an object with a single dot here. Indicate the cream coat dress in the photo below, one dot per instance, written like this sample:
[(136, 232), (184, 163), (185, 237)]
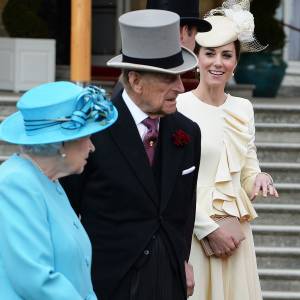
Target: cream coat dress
[(227, 172)]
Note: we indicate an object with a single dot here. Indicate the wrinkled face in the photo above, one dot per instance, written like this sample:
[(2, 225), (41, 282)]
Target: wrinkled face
[(216, 65), (156, 93), (77, 152)]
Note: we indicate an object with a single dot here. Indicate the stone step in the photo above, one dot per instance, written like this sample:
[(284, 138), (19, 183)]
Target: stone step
[(271, 295), (281, 280), (278, 258), (278, 152), (277, 113), (289, 193), (277, 132), (277, 214), (276, 236), (8, 103), (283, 172)]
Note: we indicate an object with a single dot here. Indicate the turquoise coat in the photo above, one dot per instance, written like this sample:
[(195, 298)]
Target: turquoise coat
[(45, 254)]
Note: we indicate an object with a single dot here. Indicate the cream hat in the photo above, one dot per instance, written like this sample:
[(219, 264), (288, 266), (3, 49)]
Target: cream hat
[(223, 32), (233, 21)]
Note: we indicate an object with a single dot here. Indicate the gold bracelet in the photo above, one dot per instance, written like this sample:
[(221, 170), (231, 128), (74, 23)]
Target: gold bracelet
[(270, 177)]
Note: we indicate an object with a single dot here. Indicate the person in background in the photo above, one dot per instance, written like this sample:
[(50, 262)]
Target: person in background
[(190, 22), (136, 196), (229, 175), (45, 252)]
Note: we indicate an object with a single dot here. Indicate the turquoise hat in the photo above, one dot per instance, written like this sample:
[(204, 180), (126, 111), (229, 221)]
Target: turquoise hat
[(58, 111)]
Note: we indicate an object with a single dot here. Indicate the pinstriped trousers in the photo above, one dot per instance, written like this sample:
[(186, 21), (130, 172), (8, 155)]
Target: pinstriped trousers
[(153, 277)]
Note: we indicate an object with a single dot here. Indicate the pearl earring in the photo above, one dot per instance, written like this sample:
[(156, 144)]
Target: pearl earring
[(63, 155)]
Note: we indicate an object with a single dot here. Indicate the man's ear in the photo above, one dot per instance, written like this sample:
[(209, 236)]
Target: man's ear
[(183, 32), (135, 81)]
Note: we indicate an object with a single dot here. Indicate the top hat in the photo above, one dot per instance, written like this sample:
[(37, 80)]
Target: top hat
[(56, 112), (188, 10), (150, 42)]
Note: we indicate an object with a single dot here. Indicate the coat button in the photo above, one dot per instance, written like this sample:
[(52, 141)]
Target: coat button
[(87, 262), (146, 252), (75, 225)]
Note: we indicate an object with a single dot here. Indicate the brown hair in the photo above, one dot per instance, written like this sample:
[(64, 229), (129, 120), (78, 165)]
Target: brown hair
[(237, 46)]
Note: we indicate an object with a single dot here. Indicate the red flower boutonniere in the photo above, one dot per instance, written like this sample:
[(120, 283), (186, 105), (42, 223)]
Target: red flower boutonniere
[(180, 138)]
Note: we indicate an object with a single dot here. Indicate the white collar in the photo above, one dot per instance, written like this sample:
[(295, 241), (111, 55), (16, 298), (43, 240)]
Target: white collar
[(138, 115)]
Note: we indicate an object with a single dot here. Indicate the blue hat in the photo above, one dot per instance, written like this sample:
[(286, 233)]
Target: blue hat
[(58, 111)]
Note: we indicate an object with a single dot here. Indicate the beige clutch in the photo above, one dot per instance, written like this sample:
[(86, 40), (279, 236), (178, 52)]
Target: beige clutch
[(229, 223)]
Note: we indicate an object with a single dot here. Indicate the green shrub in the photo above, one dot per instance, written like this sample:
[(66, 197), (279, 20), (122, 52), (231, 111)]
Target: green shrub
[(21, 19), (268, 30)]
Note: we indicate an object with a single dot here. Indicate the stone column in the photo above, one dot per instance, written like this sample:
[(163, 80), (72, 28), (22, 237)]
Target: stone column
[(81, 14)]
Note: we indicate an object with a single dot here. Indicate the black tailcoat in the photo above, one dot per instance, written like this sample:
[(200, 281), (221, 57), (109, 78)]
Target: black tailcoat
[(122, 206)]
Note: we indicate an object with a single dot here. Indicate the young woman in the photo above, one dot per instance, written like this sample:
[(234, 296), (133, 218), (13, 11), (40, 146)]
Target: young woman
[(229, 175)]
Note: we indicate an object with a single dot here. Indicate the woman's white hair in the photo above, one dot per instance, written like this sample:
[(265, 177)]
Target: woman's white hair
[(42, 149)]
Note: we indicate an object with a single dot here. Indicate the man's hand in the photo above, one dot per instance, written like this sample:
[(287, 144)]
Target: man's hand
[(222, 243), (190, 282)]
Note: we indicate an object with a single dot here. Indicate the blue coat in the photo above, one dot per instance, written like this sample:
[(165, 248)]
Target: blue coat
[(45, 254)]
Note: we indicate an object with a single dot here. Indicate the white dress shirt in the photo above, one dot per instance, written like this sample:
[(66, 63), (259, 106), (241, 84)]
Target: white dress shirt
[(138, 115)]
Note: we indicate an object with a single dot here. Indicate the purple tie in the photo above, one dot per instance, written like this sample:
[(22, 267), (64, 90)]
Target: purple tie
[(150, 138)]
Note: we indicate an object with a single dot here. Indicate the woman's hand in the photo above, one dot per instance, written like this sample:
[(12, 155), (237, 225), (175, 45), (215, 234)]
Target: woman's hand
[(264, 183), (222, 242)]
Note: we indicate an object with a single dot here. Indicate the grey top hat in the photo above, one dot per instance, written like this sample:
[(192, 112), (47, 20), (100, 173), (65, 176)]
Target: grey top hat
[(150, 42), (188, 10)]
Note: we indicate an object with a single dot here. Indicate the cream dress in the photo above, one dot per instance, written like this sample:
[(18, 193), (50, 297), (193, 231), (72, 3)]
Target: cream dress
[(227, 172)]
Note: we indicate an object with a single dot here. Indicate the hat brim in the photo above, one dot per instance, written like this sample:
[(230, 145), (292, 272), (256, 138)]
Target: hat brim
[(202, 25), (190, 62), (12, 130)]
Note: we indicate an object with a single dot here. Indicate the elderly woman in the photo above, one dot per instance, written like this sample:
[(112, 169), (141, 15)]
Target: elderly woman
[(229, 178), (45, 254)]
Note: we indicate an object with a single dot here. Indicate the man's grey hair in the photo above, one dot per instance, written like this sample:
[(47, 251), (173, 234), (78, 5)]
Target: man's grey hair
[(42, 149)]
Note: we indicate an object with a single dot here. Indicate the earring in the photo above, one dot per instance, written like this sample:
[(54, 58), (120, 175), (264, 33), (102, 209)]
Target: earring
[(63, 155)]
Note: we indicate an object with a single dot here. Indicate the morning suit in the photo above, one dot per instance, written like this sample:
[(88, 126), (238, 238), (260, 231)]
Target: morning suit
[(132, 210), (45, 253)]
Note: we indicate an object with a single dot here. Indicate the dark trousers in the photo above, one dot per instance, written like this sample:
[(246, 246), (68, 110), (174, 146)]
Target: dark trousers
[(153, 277)]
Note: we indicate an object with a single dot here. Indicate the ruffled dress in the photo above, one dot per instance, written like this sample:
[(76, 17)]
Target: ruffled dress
[(228, 168)]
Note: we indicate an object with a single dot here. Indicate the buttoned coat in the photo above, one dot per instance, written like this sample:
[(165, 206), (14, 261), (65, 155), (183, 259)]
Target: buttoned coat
[(122, 204), (45, 253)]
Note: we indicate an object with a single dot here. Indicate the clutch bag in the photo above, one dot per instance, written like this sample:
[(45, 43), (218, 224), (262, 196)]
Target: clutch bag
[(229, 223)]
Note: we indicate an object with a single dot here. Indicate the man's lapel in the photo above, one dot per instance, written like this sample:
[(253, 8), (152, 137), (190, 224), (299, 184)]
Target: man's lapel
[(171, 156), (127, 138)]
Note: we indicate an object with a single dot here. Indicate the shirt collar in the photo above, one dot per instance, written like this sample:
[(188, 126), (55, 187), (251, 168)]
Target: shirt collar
[(137, 114)]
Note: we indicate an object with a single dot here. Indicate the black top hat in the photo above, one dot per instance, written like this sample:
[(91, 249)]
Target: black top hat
[(188, 10)]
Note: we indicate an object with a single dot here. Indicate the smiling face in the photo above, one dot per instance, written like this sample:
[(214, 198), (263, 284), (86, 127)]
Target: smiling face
[(155, 94), (216, 65), (77, 152)]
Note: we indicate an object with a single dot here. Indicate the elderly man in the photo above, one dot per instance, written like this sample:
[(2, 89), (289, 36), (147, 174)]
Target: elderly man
[(190, 23), (137, 196)]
